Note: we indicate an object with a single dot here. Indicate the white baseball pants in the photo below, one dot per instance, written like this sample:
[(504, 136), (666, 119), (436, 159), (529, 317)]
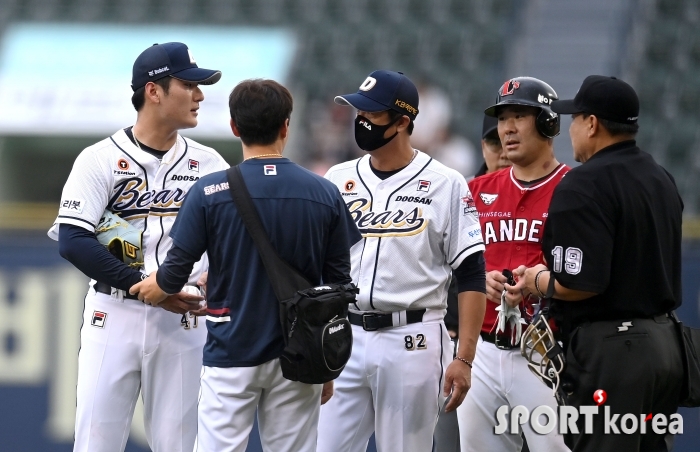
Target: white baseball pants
[(501, 377), (392, 386), (127, 347), (287, 410)]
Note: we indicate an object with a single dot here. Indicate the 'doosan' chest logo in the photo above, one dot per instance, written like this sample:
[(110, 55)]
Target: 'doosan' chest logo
[(389, 223)]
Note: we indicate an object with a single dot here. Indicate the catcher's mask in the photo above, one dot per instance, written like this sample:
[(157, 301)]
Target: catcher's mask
[(544, 355)]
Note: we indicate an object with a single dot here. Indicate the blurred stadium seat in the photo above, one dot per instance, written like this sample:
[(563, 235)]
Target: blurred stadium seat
[(666, 79)]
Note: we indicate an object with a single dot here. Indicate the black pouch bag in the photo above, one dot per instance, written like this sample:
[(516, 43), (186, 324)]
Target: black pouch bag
[(690, 344), (317, 334)]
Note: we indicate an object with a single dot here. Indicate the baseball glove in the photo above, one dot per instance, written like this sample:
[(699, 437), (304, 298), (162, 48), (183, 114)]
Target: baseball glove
[(121, 239)]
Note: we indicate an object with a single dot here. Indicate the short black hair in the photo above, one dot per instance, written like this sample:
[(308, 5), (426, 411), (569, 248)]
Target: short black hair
[(394, 115), (259, 109), (138, 99), (616, 128)]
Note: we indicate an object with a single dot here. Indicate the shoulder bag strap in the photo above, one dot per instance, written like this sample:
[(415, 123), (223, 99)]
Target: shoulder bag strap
[(286, 280)]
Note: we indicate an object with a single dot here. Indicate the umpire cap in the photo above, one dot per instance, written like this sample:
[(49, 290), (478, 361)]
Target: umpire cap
[(170, 59), (606, 97), (534, 93)]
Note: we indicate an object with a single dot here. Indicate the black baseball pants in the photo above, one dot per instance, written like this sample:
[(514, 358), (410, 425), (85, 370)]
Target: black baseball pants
[(639, 365)]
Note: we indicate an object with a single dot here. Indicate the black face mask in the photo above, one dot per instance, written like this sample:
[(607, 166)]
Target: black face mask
[(370, 136)]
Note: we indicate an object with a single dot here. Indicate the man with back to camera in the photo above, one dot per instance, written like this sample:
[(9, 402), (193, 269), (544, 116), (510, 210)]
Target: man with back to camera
[(309, 226), (418, 224), (613, 249), (512, 205), (141, 173)]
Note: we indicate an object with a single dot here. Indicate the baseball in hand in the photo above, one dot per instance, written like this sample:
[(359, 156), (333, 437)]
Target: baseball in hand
[(194, 290)]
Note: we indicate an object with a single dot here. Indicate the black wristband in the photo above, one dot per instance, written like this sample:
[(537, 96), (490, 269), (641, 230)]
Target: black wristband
[(550, 286)]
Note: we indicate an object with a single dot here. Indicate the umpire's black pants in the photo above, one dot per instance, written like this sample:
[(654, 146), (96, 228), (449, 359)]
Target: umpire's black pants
[(640, 369)]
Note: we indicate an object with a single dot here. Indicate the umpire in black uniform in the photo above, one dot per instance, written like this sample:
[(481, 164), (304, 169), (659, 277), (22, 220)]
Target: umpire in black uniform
[(612, 242)]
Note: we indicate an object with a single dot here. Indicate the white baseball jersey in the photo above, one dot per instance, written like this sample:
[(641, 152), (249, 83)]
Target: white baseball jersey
[(126, 346), (115, 174), (417, 226)]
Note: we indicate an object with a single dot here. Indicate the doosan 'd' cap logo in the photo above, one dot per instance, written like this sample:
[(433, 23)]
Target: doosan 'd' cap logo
[(368, 84)]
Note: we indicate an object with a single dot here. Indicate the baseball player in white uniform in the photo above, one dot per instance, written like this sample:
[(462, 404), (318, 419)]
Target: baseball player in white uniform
[(418, 223), (141, 173)]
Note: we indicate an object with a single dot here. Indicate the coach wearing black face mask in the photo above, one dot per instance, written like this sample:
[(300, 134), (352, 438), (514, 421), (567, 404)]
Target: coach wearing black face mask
[(387, 105), (419, 226)]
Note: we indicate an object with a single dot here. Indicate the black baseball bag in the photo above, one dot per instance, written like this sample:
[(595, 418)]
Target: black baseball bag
[(317, 334)]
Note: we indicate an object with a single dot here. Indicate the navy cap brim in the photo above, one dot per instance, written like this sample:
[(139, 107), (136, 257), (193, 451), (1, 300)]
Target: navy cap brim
[(489, 131), (360, 102), (565, 107), (198, 75)]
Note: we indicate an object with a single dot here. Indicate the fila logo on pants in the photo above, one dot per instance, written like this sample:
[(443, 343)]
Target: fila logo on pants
[(98, 319)]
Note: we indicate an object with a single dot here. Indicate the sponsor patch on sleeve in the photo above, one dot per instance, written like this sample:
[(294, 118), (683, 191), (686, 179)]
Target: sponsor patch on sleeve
[(469, 205), (72, 205)]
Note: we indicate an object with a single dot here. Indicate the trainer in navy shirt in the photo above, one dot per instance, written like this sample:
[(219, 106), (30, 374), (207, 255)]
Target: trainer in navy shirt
[(309, 226)]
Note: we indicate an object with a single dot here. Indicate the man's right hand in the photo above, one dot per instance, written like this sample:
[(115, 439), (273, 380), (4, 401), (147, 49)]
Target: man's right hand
[(180, 303), (494, 286)]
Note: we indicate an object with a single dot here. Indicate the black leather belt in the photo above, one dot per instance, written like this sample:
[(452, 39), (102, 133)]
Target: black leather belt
[(500, 341), (107, 289), (373, 321)]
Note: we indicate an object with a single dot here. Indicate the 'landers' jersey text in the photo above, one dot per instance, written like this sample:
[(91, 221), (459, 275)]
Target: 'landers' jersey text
[(513, 230)]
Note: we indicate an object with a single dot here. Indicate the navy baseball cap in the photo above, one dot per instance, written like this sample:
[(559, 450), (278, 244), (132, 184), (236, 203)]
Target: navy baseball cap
[(172, 59), (489, 127), (384, 90), (605, 97)]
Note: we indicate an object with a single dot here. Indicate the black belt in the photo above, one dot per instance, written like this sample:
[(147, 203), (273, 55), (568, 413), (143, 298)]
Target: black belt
[(500, 341), (373, 321), (107, 289)]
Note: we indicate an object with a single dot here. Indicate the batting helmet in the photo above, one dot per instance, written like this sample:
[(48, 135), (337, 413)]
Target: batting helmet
[(534, 93)]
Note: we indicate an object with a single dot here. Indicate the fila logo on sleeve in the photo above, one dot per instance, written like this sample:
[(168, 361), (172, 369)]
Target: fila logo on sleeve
[(270, 170), (423, 185), (193, 165)]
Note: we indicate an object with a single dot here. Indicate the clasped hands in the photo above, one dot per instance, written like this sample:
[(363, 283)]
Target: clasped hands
[(180, 303)]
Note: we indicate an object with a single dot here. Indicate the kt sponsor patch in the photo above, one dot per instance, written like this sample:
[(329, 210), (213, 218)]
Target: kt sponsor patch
[(98, 319)]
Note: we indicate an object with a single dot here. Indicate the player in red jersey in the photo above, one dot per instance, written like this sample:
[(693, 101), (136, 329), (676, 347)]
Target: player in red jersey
[(512, 204)]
